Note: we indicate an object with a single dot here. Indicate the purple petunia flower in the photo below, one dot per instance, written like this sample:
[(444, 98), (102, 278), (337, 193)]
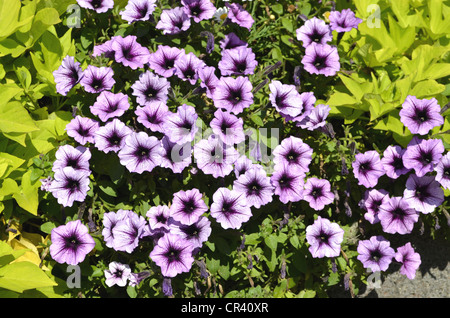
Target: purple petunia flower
[(242, 165), (99, 6), (321, 59), (117, 274), (397, 216), (214, 157), (308, 101), (343, 21), (293, 152), (141, 152), (392, 162), (285, 98), (104, 49), (69, 156), (150, 88), (443, 171), (70, 243), (196, 233), (256, 186), (162, 61), (233, 94), (424, 194), (324, 238), (367, 168), (373, 199), (423, 155), (288, 183), (97, 79), (199, 9), (128, 232), (173, 21), (228, 127), (230, 208), (158, 218), (181, 126), (152, 115), (109, 105), (317, 192), (187, 66), (187, 206), (421, 115), (409, 259), (138, 10), (67, 75), (231, 41), (208, 80), (82, 129), (173, 255), (316, 118), (175, 156), (110, 220), (375, 253), (314, 30), (238, 61), (129, 52), (111, 137), (237, 14)]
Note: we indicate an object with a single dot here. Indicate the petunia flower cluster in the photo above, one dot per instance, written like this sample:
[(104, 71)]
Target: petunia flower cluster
[(423, 164)]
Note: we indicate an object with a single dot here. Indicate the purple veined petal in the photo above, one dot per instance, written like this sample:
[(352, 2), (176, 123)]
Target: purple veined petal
[(373, 199), (392, 162), (423, 155), (110, 220), (196, 233), (173, 255), (187, 66), (99, 6), (409, 259), (292, 151), (128, 232), (421, 115), (238, 61), (237, 14), (314, 30), (317, 192), (321, 59), (424, 194), (397, 216), (173, 21), (228, 127), (70, 243), (199, 10), (158, 217), (187, 206), (230, 208), (70, 185), (231, 41), (233, 94), (343, 21), (109, 105), (208, 80), (375, 253), (141, 152), (111, 136), (175, 156), (138, 10), (117, 274), (67, 75), (181, 127), (367, 168), (82, 129), (129, 52), (256, 186), (285, 98), (443, 171), (324, 238), (150, 88), (153, 115), (288, 183), (316, 118), (214, 157), (70, 156), (162, 61), (97, 79)]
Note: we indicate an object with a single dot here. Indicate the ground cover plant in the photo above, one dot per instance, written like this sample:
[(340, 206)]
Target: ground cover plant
[(197, 148)]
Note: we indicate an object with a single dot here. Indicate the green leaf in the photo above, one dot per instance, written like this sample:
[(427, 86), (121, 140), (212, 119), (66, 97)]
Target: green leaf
[(28, 196), (15, 118), (9, 17), (271, 242), (21, 276)]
